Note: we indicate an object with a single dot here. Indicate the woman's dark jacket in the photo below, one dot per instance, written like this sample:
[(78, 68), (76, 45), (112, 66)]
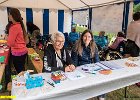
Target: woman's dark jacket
[(86, 56), (49, 60)]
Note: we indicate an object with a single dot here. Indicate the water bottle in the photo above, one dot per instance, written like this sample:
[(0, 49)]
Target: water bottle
[(121, 49)]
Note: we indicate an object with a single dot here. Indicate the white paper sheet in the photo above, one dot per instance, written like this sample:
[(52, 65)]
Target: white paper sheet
[(75, 75), (111, 64)]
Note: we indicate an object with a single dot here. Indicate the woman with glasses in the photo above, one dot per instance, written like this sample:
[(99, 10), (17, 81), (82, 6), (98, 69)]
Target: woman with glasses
[(56, 56)]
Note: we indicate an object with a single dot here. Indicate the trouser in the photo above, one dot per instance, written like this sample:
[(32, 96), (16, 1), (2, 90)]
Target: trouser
[(19, 62), (8, 70), (131, 48)]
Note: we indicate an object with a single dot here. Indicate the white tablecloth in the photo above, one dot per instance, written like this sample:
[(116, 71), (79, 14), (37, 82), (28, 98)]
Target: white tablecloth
[(87, 87)]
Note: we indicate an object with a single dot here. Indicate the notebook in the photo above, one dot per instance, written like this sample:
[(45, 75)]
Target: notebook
[(2, 58)]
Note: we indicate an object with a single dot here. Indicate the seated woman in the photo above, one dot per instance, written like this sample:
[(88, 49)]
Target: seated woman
[(56, 56), (101, 41), (119, 44), (120, 37), (85, 51)]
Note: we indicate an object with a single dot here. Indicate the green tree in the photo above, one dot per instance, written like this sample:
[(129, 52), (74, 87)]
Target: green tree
[(136, 8)]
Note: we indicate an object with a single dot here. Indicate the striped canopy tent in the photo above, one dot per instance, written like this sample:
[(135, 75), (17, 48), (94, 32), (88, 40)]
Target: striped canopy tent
[(55, 15)]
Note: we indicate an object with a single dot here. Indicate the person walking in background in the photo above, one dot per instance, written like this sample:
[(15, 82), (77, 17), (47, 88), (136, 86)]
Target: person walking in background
[(133, 37), (16, 39)]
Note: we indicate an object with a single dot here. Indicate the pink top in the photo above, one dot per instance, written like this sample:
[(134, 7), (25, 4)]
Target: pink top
[(16, 40), (117, 41)]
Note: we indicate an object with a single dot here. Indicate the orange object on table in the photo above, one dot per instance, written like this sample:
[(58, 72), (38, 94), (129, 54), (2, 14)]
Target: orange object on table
[(105, 72)]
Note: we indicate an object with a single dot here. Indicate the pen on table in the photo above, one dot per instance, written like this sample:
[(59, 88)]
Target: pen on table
[(90, 72), (51, 84), (98, 69)]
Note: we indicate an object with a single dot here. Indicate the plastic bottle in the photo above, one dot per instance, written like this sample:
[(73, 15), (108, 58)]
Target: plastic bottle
[(121, 49)]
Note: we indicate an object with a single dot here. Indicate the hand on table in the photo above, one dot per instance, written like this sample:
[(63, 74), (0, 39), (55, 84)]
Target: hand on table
[(70, 68)]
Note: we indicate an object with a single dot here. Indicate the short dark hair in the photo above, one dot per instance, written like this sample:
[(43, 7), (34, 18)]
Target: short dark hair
[(121, 34), (136, 16)]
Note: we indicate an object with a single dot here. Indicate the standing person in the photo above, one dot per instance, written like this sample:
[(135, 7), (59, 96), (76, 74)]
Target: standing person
[(17, 39), (86, 52), (56, 57), (34, 32), (133, 37)]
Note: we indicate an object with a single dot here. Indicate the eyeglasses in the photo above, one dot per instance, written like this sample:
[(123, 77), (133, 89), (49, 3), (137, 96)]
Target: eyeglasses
[(57, 41)]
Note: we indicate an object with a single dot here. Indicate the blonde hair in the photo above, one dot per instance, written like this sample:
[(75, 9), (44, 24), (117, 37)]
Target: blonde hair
[(55, 35), (80, 44)]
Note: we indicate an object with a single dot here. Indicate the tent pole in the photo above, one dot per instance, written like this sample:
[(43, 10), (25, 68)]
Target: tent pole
[(3, 1), (85, 4), (124, 16)]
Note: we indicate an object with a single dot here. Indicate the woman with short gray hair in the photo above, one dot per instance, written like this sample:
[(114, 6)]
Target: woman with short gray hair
[(55, 35), (56, 56)]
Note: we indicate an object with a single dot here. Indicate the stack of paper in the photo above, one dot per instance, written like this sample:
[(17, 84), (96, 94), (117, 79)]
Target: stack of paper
[(111, 65), (74, 75)]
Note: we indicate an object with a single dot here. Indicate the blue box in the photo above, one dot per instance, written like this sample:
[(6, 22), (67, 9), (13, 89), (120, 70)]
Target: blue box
[(33, 82)]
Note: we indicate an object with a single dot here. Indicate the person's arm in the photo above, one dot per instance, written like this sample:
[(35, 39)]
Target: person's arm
[(74, 57), (48, 60), (68, 58), (77, 35), (113, 44), (96, 55), (13, 32), (70, 66), (105, 40)]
